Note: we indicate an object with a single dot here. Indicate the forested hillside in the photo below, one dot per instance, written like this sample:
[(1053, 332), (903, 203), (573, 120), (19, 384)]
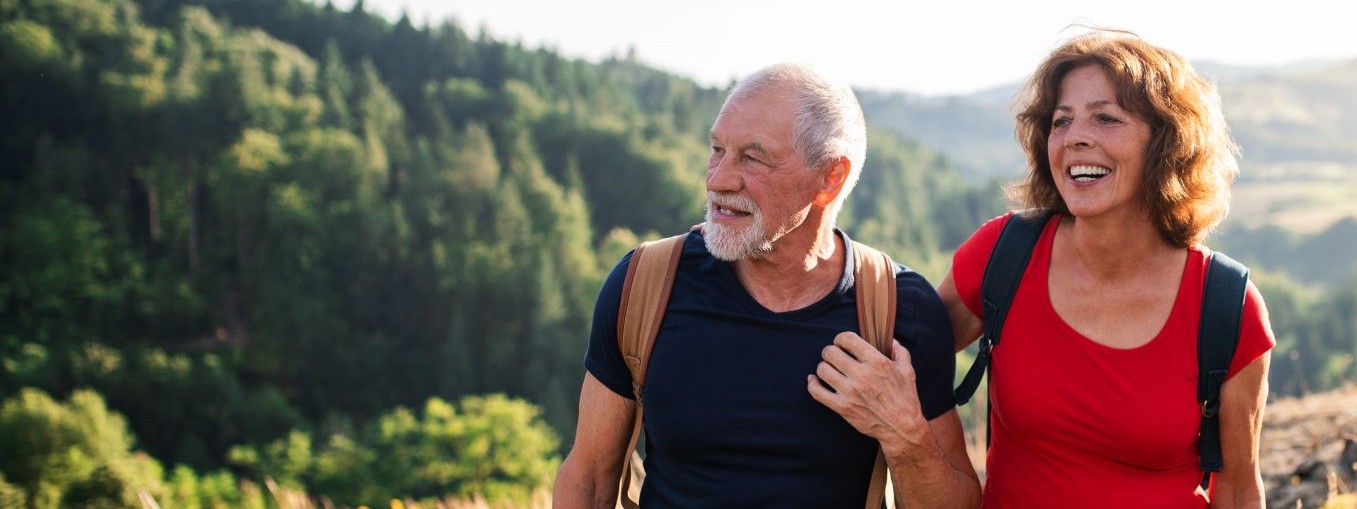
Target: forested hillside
[(270, 239)]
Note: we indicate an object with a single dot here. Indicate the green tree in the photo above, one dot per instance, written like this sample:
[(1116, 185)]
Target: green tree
[(66, 278), (73, 453), (492, 445)]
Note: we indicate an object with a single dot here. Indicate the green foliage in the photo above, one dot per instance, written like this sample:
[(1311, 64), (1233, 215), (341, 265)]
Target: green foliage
[(1323, 257), (493, 445), (65, 277), (501, 446), (287, 460), (29, 364), (11, 495), (73, 453), (31, 46), (77, 453), (219, 490), (1308, 283)]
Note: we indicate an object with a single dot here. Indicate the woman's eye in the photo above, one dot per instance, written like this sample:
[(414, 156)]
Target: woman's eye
[(1060, 122)]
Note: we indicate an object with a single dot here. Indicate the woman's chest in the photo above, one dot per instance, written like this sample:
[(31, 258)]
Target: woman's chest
[(1133, 406)]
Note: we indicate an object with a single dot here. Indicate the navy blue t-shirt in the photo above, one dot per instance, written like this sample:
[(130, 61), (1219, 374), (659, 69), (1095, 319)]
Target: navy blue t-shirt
[(728, 420)]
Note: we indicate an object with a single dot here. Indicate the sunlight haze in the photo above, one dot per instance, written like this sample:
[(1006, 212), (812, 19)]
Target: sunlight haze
[(933, 48)]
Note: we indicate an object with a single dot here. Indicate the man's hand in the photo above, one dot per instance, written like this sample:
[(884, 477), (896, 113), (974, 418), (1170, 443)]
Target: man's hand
[(873, 393), (878, 396)]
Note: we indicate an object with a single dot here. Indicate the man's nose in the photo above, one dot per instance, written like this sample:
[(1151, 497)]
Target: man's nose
[(722, 175)]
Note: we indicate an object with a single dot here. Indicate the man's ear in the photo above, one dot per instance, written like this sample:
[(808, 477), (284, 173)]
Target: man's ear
[(832, 183)]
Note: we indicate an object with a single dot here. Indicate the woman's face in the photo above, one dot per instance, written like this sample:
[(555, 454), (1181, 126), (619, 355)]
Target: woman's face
[(1096, 147)]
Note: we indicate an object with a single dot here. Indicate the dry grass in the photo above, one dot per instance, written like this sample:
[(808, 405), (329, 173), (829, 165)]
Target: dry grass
[(540, 500), (288, 498), (1344, 501)]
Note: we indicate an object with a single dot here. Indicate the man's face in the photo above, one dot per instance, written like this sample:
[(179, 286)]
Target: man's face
[(758, 188)]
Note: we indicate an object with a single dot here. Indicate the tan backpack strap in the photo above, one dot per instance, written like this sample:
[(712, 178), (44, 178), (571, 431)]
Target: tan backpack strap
[(651, 270), (645, 293), (629, 495), (874, 280), (875, 283), (876, 490)]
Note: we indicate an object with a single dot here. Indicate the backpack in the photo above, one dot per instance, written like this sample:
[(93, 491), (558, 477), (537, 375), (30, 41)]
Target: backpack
[(1217, 335), (645, 293)]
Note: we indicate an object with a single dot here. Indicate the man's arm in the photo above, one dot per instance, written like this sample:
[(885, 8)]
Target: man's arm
[(590, 474), (920, 480), (928, 461)]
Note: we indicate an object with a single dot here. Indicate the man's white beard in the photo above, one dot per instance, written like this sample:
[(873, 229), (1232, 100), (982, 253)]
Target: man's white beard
[(730, 244)]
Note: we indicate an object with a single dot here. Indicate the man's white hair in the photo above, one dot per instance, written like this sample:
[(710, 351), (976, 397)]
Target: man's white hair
[(828, 123)]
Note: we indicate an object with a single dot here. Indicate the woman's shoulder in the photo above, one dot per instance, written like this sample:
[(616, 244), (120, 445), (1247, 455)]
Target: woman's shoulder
[(988, 232), (982, 241)]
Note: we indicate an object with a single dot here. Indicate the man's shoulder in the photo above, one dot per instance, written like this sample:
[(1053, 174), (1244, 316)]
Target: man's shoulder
[(905, 276), (913, 290)]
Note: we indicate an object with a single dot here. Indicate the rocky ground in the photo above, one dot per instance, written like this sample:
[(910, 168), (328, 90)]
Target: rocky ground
[(1308, 450)]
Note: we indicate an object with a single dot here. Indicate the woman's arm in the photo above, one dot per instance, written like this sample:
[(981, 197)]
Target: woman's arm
[(1239, 483), (966, 327)]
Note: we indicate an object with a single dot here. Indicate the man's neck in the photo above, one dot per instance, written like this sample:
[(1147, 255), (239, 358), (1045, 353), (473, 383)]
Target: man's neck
[(800, 270)]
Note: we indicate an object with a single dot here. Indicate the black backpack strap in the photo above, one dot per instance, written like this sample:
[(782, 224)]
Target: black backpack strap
[(1222, 310), (1007, 262)]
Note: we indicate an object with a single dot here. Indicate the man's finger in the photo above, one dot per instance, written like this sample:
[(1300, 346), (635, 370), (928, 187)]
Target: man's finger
[(859, 348), (899, 353), (902, 360), (837, 357), (831, 376), (820, 393)]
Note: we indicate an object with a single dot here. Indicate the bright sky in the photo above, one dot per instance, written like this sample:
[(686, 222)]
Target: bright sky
[(930, 47)]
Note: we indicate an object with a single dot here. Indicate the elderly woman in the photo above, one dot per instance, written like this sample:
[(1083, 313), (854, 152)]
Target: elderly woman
[(1093, 388)]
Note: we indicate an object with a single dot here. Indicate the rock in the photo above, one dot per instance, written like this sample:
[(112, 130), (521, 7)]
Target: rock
[(1307, 449)]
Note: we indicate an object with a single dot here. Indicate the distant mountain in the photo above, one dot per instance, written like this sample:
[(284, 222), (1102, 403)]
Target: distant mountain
[(1297, 114), (974, 132)]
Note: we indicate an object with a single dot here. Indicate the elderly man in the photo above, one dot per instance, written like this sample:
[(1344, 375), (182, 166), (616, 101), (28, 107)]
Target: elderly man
[(759, 393)]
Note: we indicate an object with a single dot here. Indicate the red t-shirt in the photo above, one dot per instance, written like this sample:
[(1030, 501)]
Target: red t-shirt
[(1075, 423)]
